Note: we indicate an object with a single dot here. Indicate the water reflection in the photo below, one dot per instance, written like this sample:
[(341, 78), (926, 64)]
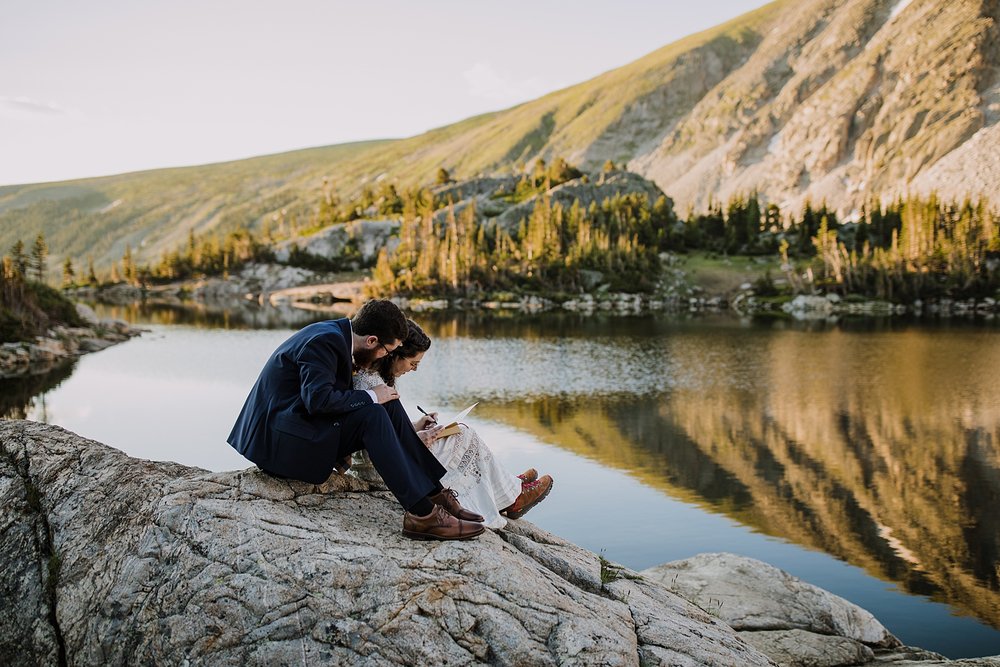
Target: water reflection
[(880, 450), (20, 396), (233, 314)]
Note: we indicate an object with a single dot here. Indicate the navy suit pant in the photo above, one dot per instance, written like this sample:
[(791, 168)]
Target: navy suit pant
[(399, 455)]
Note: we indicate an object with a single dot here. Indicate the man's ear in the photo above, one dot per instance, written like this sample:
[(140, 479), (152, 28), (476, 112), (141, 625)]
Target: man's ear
[(371, 341)]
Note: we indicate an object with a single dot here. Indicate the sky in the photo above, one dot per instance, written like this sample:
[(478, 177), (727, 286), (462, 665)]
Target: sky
[(109, 86)]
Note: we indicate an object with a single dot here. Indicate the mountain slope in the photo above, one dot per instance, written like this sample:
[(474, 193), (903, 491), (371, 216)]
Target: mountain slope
[(834, 100), (154, 210), (845, 99)]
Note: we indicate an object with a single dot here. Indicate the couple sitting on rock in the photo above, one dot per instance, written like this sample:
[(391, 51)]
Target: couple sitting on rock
[(308, 413)]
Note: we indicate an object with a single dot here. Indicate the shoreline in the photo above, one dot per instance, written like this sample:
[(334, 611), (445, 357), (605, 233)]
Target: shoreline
[(696, 288), (62, 343), (802, 307)]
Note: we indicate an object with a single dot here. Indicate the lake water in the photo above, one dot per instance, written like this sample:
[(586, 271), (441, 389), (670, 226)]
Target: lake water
[(863, 457)]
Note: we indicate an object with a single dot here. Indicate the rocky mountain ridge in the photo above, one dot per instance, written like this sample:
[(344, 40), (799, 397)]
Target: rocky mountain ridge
[(844, 100), (835, 100)]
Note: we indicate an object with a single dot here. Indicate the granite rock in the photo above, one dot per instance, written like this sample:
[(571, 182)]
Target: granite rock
[(114, 560), (749, 594), (792, 622)]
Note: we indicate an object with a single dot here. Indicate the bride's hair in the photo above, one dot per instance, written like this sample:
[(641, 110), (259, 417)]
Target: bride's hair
[(416, 341)]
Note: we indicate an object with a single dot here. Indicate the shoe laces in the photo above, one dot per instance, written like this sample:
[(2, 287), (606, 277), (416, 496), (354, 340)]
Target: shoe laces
[(441, 515)]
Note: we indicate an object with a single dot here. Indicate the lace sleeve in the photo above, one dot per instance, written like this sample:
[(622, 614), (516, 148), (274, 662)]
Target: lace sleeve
[(366, 379)]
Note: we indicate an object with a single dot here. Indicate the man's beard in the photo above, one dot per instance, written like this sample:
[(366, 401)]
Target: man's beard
[(364, 358)]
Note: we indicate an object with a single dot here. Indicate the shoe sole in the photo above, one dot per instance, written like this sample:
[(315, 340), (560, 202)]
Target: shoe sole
[(428, 536), (518, 515)]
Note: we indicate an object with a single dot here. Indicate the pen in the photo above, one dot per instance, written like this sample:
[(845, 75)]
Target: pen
[(427, 414)]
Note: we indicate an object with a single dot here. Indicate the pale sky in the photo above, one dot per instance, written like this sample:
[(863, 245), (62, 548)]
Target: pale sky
[(109, 86)]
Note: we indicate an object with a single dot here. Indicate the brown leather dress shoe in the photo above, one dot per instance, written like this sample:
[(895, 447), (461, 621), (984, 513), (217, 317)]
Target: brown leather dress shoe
[(529, 475), (448, 499), (532, 493), (439, 525)]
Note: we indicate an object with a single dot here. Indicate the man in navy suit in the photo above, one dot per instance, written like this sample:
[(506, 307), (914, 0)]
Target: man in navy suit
[(303, 419)]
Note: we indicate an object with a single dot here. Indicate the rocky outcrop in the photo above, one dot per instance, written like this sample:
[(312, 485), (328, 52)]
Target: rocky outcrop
[(843, 100), (751, 595), (360, 239), (106, 559), (586, 192), (252, 281), (112, 560), (792, 622), (474, 187), (62, 343)]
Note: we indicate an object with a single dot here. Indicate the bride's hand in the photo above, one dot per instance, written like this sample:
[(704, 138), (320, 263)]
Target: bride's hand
[(426, 421), (429, 435)]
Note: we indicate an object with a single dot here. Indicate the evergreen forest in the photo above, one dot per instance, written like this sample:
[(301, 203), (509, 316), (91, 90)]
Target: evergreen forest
[(911, 248)]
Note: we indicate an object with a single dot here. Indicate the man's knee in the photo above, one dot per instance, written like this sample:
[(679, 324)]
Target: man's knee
[(371, 414), (395, 411)]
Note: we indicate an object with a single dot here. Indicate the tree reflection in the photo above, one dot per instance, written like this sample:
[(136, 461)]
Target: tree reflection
[(19, 395)]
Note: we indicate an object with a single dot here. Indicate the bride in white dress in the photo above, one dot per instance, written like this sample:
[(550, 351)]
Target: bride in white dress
[(481, 482)]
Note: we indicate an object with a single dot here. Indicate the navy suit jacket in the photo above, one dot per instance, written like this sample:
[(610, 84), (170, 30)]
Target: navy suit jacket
[(289, 424)]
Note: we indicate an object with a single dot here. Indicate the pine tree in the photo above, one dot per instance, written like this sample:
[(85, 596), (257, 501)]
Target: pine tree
[(562, 171), (19, 260), (39, 254), (128, 266), (68, 273), (539, 174)]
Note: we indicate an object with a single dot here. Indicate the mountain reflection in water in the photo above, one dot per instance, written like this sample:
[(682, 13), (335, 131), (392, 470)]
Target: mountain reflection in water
[(878, 451)]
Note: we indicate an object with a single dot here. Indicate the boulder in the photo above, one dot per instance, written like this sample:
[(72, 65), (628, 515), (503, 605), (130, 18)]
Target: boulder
[(112, 560), (792, 622), (799, 648), (86, 314), (749, 594), (805, 307)]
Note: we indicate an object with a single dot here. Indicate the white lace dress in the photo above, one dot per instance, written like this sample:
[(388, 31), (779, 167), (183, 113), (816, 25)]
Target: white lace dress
[(482, 484)]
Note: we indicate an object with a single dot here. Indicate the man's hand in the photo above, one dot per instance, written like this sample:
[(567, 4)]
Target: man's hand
[(385, 393)]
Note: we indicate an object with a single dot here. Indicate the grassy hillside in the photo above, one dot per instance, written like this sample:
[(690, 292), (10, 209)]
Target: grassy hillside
[(154, 210), (610, 116)]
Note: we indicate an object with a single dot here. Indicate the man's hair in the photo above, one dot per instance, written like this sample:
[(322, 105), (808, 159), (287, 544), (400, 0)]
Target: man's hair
[(380, 318)]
